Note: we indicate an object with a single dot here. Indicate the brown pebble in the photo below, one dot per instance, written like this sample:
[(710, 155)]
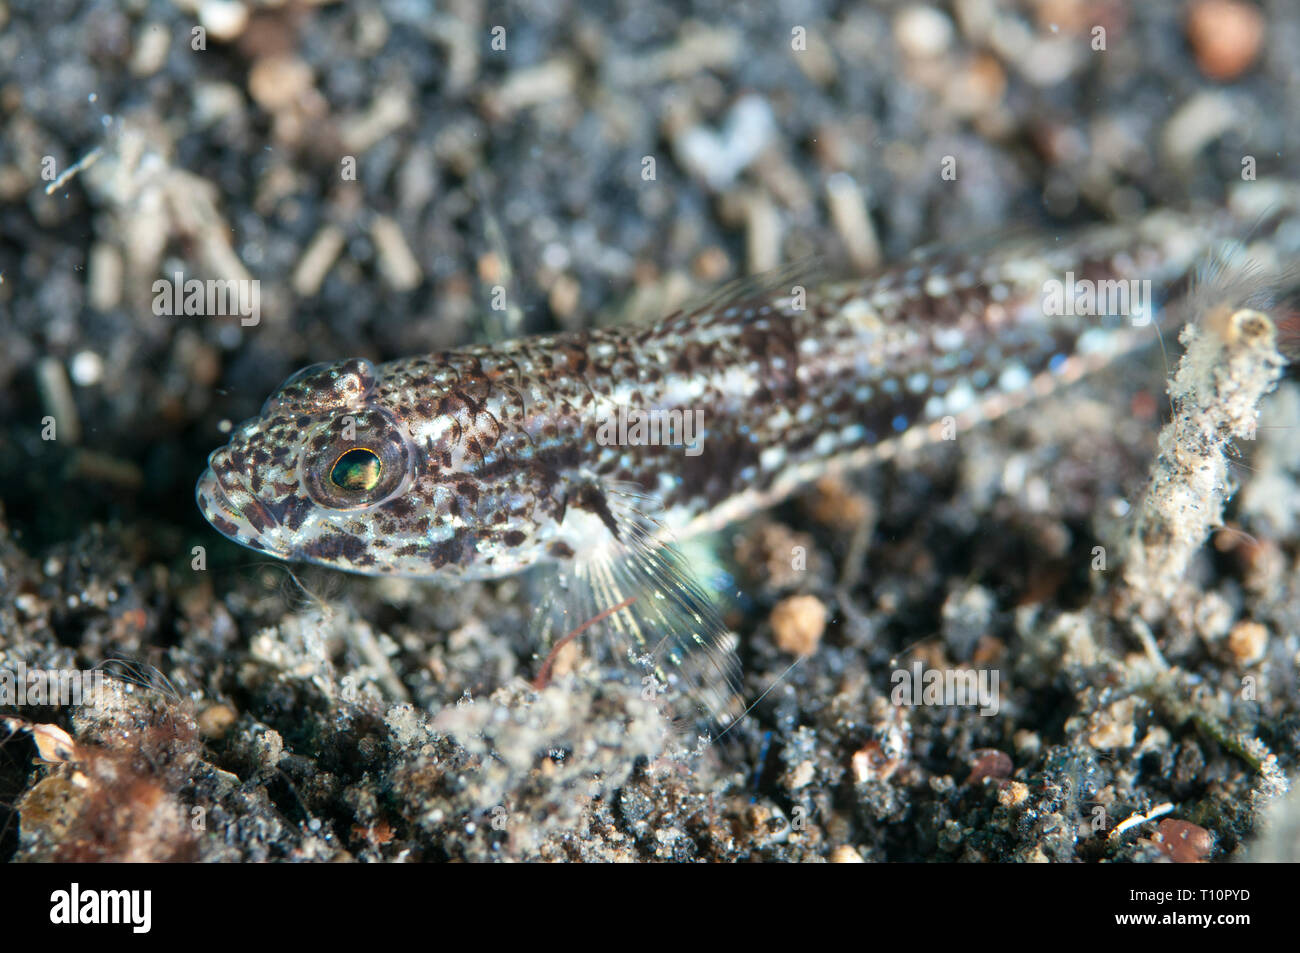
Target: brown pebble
[(711, 265), (1247, 642), (1183, 841), (276, 82), (798, 623), (845, 854), (977, 87), (216, 720), (834, 504), (1225, 35), (564, 296), (491, 270), (989, 763)]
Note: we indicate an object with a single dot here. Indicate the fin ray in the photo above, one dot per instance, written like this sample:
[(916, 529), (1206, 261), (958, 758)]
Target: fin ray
[(669, 626)]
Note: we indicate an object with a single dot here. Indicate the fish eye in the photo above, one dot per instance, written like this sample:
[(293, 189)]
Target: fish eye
[(357, 471), (356, 460)]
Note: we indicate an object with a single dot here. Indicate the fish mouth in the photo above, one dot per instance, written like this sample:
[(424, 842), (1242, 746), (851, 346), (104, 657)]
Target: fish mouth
[(230, 519)]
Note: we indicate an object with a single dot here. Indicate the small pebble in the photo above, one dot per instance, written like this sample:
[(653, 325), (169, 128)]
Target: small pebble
[(216, 720), (1247, 642), (104, 276), (564, 296), (1013, 794), (989, 763), (317, 260), (1116, 728), (835, 504), (848, 208), (922, 32), (87, 368), (151, 46), (798, 623), (711, 265), (1183, 841), (870, 763), (1027, 742), (56, 395), (277, 82), (1226, 36), (802, 775), (1212, 616), (223, 19), (396, 260)]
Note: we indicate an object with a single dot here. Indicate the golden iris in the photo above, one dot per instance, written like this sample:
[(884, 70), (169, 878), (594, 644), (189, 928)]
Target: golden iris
[(357, 470)]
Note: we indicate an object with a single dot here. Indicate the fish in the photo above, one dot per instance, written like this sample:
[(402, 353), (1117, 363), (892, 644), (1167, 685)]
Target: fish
[(596, 452)]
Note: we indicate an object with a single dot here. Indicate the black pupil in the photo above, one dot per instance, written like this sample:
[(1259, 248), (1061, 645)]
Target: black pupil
[(356, 470)]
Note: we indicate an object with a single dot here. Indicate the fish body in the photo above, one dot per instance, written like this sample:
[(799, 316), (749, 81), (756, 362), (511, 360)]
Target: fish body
[(591, 451), (493, 458)]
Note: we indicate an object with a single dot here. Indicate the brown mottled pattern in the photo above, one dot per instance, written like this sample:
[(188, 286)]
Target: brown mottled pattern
[(490, 457)]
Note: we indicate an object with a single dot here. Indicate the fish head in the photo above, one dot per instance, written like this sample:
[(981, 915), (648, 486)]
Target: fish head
[(311, 476), (344, 468)]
